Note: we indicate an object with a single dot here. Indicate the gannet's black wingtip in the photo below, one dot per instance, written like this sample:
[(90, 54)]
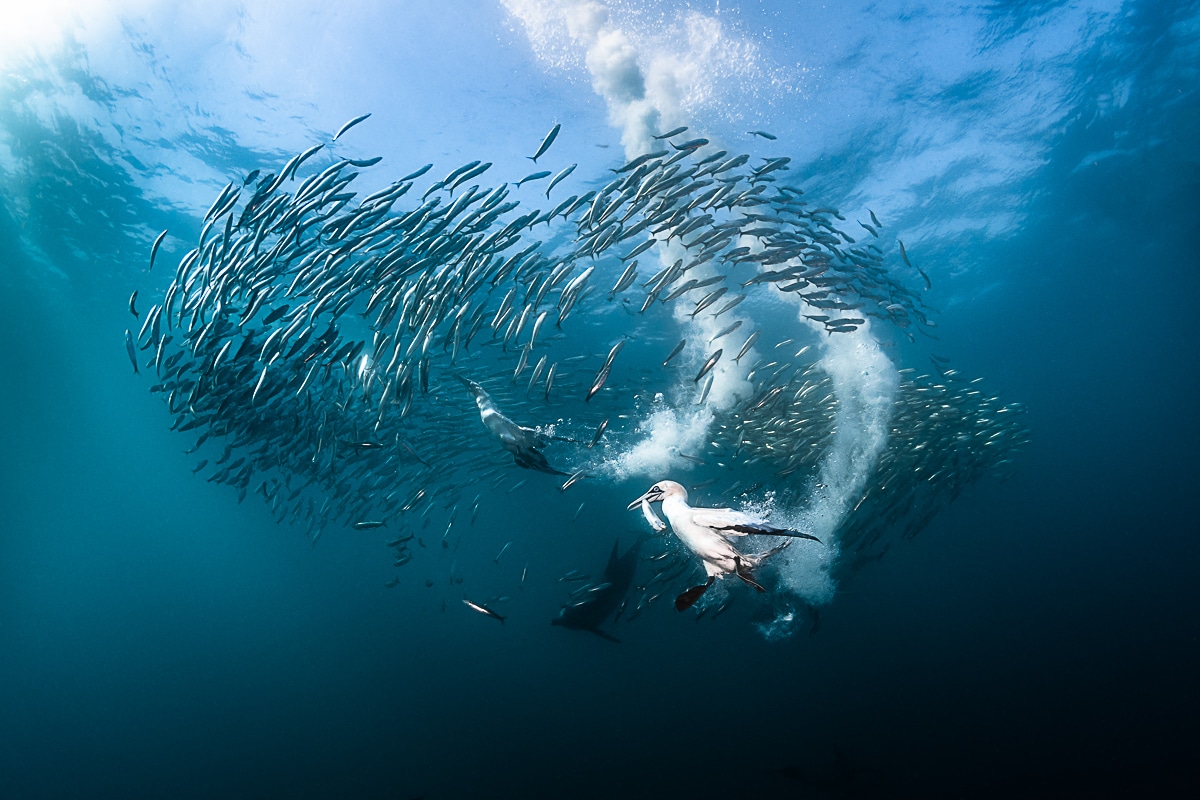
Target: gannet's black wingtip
[(531, 458), (767, 530)]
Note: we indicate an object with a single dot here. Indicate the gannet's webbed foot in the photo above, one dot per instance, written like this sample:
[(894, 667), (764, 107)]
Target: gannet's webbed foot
[(744, 573), (689, 598)]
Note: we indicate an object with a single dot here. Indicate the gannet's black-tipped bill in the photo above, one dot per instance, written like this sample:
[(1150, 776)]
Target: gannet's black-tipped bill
[(467, 382), (689, 598), (652, 495)]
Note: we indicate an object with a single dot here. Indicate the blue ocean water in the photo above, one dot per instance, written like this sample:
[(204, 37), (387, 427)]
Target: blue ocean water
[(161, 637)]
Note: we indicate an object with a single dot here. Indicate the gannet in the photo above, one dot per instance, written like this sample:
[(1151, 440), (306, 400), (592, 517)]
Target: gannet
[(522, 442), (606, 597), (707, 533)]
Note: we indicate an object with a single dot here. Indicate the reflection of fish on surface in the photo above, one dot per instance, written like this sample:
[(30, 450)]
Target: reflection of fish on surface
[(707, 531), (522, 442), (599, 604)]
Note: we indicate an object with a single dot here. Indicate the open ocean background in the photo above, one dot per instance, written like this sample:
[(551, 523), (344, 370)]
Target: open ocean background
[(1038, 638)]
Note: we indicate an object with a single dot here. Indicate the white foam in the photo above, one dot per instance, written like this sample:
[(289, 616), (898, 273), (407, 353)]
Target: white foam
[(667, 434), (653, 71), (657, 76), (865, 382)]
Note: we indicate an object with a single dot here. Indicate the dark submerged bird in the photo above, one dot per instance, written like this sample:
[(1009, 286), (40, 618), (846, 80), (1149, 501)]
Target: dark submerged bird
[(599, 605)]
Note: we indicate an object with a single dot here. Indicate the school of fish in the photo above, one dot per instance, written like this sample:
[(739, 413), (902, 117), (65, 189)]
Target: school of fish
[(329, 350)]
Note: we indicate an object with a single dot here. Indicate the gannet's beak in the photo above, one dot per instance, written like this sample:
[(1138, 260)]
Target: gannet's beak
[(653, 495)]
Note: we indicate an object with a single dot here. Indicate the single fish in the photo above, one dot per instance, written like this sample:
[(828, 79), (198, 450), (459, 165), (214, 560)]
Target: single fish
[(675, 351), (534, 176), (349, 125), (709, 364), (726, 331), (599, 432), (545, 145), (131, 350), (414, 175), (558, 178), (482, 609), (750, 340), (154, 248), (672, 132), (572, 480)]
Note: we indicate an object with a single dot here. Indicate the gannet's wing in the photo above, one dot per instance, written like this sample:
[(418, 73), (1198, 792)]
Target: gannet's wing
[(736, 523), (727, 521)]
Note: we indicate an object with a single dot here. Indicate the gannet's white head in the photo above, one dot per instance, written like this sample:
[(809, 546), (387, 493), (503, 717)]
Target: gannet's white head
[(661, 491)]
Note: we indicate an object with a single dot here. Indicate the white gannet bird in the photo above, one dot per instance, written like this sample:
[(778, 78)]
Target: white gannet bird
[(707, 533), (524, 443)]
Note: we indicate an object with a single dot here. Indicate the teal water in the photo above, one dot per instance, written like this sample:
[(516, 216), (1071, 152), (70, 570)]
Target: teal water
[(1035, 636)]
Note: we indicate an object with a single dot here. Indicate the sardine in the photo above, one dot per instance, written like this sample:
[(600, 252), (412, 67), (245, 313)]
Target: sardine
[(709, 364), (545, 145)]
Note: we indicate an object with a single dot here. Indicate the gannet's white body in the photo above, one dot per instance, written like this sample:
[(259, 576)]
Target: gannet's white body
[(707, 532)]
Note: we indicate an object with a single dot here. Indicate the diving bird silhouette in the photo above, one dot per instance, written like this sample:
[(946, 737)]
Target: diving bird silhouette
[(707, 533), (522, 442)]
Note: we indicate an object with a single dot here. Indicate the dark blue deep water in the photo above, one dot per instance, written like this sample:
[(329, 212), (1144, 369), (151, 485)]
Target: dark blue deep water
[(160, 637)]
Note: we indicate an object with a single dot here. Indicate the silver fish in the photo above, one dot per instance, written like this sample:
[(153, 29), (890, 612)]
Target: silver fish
[(545, 145), (559, 177), (672, 132), (154, 249), (131, 351), (599, 432), (482, 609), (709, 364), (676, 350), (750, 340), (349, 125)]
